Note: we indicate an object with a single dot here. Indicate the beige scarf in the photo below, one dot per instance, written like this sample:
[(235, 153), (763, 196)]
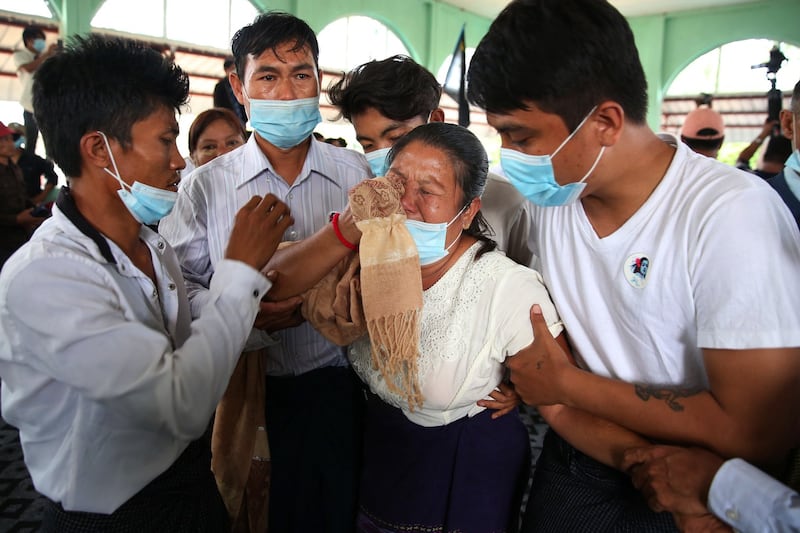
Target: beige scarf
[(391, 284), (383, 297)]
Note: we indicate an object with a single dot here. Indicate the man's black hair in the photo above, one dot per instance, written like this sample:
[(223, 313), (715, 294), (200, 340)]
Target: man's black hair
[(270, 30), (397, 87), (105, 84), (32, 32), (565, 56), (228, 63)]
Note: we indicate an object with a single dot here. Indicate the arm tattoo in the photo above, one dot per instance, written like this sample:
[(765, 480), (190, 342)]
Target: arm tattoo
[(670, 396)]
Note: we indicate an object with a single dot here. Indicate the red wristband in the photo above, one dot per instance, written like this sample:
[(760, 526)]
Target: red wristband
[(338, 232)]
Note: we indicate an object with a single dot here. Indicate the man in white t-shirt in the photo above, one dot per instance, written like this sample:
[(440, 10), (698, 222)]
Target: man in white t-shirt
[(677, 277), (28, 59)]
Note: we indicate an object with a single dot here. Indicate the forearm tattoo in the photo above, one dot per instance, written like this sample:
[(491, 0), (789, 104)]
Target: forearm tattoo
[(670, 396)]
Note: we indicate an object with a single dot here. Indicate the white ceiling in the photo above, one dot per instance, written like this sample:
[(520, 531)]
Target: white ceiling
[(629, 8)]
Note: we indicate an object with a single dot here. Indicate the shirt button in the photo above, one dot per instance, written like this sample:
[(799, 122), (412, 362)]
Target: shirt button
[(255, 293), (155, 293), (160, 245), (289, 196), (171, 286), (732, 514), (292, 234)]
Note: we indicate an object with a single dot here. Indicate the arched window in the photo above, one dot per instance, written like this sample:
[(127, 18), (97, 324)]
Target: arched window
[(37, 8), (348, 42), (738, 91), (728, 70), (209, 23)]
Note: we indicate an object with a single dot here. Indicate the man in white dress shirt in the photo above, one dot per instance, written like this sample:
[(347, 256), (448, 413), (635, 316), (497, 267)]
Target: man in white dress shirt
[(112, 397), (313, 401)]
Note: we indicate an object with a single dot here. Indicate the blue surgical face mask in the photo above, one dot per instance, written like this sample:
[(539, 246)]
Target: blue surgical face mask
[(535, 179), (430, 239), (284, 123), (147, 204), (39, 45), (377, 161), (20, 142)]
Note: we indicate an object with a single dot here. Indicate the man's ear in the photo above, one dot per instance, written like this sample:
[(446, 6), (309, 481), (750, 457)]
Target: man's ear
[(93, 150), (437, 115), (787, 124), (236, 85), (607, 121)]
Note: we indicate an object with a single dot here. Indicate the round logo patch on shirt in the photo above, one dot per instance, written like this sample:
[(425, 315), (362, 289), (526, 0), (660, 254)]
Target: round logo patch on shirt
[(635, 268)]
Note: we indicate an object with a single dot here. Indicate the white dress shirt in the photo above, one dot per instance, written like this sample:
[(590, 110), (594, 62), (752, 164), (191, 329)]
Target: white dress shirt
[(201, 222), (749, 500), (103, 372)]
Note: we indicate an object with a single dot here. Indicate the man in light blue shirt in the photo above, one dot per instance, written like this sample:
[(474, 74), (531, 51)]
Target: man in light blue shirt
[(313, 400)]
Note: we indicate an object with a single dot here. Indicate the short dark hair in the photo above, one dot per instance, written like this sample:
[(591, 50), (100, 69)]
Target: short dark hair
[(778, 149), (702, 144), (470, 163), (796, 99), (565, 56), (101, 83), (32, 32), (228, 63), (397, 87), (204, 119), (270, 30)]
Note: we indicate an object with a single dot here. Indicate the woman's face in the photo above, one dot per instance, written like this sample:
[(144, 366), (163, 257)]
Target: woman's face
[(218, 138), (431, 192)]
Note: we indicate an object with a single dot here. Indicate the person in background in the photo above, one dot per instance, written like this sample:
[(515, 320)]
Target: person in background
[(34, 168), (703, 131), (214, 132), (28, 59), (17, 221), (223, 93), (313, 400), (386, 99), (778, 150), (787, 182), (640, 242), (112, 404)]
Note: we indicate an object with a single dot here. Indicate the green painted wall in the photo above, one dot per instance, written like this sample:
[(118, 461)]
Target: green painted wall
[(429, 28), (668, 43)]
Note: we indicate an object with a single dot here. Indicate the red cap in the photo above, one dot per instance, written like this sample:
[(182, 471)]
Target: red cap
[(5, 130), (703, 123)]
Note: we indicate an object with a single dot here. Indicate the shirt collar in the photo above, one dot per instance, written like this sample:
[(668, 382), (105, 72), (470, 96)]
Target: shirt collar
[(255, 163), (66, 205)]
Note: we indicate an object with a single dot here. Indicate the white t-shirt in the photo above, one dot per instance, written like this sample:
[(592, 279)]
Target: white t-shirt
[(474, 317), (23, 56), (710, 260)]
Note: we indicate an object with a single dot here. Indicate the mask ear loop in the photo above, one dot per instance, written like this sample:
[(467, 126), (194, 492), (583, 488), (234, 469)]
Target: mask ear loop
[(458, 237), (114, 174), (596, 161)]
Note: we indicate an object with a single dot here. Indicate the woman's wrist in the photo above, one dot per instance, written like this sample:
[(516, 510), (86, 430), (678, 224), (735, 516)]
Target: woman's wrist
[(339, 235)]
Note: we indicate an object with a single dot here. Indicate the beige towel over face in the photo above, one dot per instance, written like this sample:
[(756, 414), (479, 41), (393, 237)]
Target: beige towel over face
[(391, 284)]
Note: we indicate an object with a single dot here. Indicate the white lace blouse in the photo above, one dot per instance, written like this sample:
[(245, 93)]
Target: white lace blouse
[(474, 317)]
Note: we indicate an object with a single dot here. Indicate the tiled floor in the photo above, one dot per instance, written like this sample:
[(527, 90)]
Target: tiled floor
[(21, 506)]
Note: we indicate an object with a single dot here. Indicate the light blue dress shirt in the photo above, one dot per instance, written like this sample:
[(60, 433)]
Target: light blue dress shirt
[(749, 500), (201, 221)]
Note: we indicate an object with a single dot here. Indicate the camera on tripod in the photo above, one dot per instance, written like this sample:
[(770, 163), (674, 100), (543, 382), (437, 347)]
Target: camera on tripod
[(774, 96)]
